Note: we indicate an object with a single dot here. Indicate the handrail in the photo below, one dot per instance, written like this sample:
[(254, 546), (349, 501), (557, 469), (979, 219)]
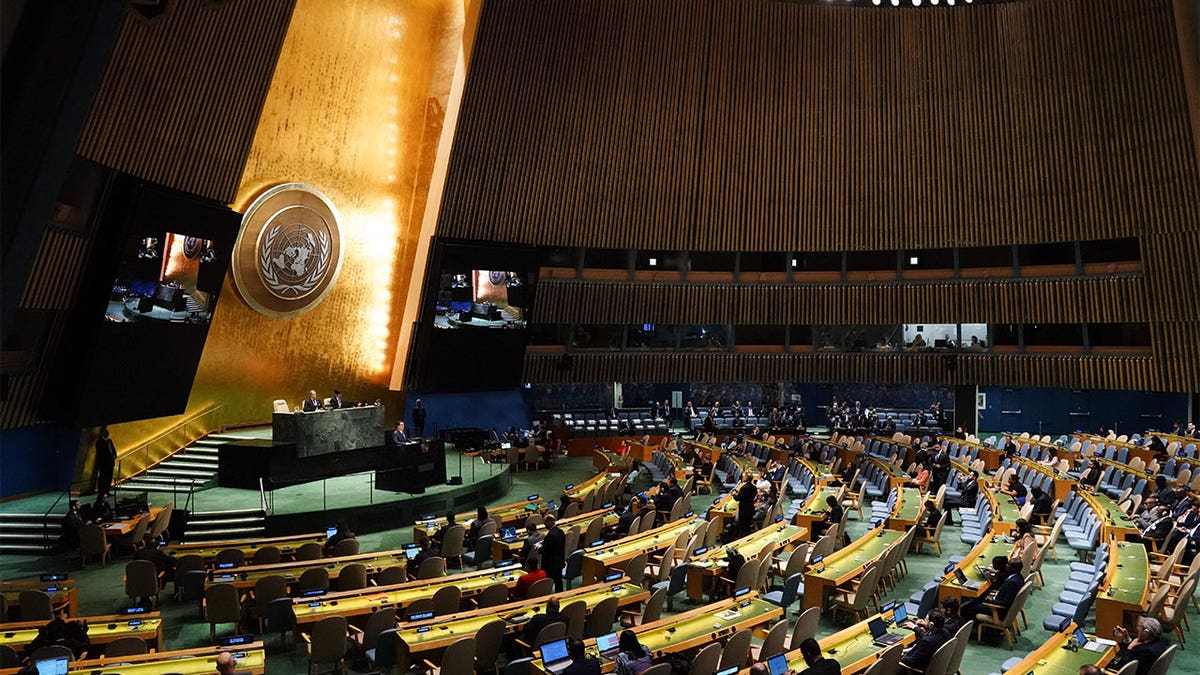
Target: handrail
[(46, 516), (262, 495), (144, 447)]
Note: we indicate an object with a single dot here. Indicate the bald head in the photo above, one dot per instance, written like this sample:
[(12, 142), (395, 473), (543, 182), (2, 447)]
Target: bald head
[(225, 662)]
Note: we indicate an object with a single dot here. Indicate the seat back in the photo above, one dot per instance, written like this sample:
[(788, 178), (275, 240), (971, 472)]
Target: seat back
[(222, 604), (395, 574), (345, 547), (141, 579), (313, 579), (36, 605), (888, 662), (774, 641), (237, 556), (488, 641), (280, 405), (540, 588), (452, 542), (550, 633), (635, 569), (939, 663), (267, 555), (961, 637), (432, 568), (601, 618), (737, 650), (126, 646), (446, 600), (266, 590), (459, 657), (310, 551), (352, 577), (92, 540), (379, 621), (328, 640), (806, 627), (706, 661), (1163, 663)]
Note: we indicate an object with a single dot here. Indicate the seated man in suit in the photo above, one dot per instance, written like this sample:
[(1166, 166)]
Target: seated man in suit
[(539, 621), (336, 402), (1144, 649), (817, 664), (1001, 593), (1042, 504), (917, 657), (313, 403), (833, 516)]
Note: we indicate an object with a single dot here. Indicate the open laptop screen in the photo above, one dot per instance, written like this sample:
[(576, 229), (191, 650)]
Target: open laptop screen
[(554, 651)]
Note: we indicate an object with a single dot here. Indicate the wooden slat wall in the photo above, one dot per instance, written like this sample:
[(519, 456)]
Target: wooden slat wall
[(1116, 372), (1096, 300), (181, 96), (733, 125)]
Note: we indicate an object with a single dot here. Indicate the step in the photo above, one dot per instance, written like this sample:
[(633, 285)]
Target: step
[(190, 464), (229, 437), (225, 513), (23, 549), (30, 537), (7, 526), (224, 522), (169, 471), (221, 535), (134, 486)]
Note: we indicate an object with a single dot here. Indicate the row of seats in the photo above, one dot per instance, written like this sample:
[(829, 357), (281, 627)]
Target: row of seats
[(599, 422)]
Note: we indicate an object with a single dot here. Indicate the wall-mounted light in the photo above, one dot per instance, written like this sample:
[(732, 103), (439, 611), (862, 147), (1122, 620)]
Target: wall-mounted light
[(912, 260), (653, 262)]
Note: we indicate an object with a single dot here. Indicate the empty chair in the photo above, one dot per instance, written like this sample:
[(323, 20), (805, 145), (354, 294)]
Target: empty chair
[(888, 663), (35, 605), (93, 544), (266, 591), (496, 594), (481, 555), (488, 641), (141, 581), (367, 638), (806, 627), (310, 551), (658, 669), (9, 658), (432, 568), (126, 646), (280, 618), (707, 660), (540, 588), (231, 555), (446, 600), (773, 643), (396, 574), (651, 612), (313, 579), (352, 577), (327, 643), (458, 659), (52, 652), (221, 605), (267, 555), (576, 615), (601, 619), (737, 650)]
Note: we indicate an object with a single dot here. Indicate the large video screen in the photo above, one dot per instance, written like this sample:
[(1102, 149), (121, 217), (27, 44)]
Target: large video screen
[(478, 301), (159, 279), (144, 308), (482, 299)]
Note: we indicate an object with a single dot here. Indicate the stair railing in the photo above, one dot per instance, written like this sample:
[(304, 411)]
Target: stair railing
[(262, 497), (46, 518), (176, 437)]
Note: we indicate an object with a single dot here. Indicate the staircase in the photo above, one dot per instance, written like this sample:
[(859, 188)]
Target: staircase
[(195, 465), (219, 525), (25, 533)]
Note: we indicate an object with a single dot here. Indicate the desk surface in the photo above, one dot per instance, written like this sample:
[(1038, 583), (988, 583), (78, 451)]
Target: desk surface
[(650, 540), (440, 632), (908, 507), (814, 506), (783, 535), (848, 562), (208, 550), (1111, 517), (63, 594), (696, 627), (366, 600), (251, 658), (124, 526), (981, 554), (852, 647), (580, 491), (101, 629), (1052, 659), (1128, 575), (245, 577), (894, 472), (507, 513)]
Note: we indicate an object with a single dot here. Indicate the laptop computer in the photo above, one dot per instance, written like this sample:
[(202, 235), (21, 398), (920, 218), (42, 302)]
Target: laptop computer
[(963, 581), (56, 666), (777, 665), (880, 634), (731, 670), (900, 616), (555, 658), (608, 645), (508, 534), (330, 531)]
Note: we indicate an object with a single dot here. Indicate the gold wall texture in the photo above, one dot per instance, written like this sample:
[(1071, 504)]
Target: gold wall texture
[(354, 110)]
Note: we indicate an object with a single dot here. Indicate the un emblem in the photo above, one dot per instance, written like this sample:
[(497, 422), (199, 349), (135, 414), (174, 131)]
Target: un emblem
[(289, 252)]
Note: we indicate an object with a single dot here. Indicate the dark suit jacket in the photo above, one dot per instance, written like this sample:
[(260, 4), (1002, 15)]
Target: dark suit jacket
[(745, 499), (919, 655), (337, 403), (537, 622), (312, 405), (399, 437), (554, 555), (583, 667), (1145, 655), (1007, 592), (970, 493), (826, 666)]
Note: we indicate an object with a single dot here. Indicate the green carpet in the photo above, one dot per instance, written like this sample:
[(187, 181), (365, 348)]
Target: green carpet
[(102, 592)]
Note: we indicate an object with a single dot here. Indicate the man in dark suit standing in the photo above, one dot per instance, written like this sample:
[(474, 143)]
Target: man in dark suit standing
[(106, 459), (336, 402), (313, 403), (745, 497), (941, 469), (418, 419), (554, 554)]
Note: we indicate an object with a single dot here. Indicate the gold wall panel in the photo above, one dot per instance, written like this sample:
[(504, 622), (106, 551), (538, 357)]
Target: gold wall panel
[(348, 112)]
